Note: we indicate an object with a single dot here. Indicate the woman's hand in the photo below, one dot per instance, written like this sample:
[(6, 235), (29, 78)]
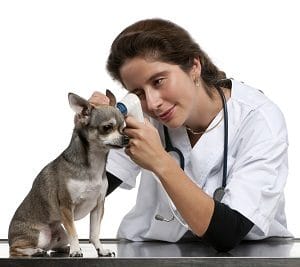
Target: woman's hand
[(98, 98), (144, 147)]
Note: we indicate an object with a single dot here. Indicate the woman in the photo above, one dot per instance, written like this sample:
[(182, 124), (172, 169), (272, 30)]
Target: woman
[(177, 84)]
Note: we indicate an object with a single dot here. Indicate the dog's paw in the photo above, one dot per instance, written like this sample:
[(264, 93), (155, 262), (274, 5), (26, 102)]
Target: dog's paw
[(77, 253), (105, 253), (40, 253)]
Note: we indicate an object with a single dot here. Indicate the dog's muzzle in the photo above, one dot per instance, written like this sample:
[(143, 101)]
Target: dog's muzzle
[(125, 140)]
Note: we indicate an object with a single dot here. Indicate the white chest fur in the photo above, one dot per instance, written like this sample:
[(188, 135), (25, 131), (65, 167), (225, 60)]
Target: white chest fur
[(85, 193)]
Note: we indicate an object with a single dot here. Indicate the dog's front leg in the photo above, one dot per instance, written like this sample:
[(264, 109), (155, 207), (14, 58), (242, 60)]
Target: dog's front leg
[(95, 221), (67, 216)]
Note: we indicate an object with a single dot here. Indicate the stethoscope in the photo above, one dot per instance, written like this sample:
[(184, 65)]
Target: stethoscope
[(220, 191)]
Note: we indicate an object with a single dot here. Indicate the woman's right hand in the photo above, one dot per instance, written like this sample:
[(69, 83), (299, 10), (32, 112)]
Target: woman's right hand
[(98, 98)]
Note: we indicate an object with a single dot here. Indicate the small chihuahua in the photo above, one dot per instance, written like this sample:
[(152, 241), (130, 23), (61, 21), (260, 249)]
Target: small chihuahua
[(70, 187)]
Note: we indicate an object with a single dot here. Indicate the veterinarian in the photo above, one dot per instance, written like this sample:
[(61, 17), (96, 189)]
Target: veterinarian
[(178, 84)]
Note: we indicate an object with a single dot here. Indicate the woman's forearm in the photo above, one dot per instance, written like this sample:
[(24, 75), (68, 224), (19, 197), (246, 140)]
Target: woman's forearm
[(194, 205)]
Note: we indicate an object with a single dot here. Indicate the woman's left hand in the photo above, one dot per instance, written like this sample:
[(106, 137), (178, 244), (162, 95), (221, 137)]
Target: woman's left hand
[(144, 147)]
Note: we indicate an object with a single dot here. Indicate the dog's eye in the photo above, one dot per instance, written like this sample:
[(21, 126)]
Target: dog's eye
[(107, 128)]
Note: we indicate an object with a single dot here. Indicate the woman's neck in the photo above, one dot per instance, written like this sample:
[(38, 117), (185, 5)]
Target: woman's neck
[(205, 110)]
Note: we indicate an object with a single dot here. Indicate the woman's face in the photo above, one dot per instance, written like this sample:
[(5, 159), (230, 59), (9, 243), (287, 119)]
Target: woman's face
[(167, 93)]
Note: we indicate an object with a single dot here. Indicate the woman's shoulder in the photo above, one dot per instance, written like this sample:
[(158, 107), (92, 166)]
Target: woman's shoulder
[(248, 96), (257, 111)]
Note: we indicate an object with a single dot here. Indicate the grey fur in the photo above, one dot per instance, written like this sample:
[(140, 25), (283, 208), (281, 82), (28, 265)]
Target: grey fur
[(53, 201)]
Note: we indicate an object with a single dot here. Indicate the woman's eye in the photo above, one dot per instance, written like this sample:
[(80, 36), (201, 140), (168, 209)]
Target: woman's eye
[(158, 82)]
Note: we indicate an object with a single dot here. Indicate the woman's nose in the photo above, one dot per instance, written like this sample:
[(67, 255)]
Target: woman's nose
[(153, 99)]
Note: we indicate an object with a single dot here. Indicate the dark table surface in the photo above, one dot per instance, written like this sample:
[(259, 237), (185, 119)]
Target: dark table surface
[(271, 252)]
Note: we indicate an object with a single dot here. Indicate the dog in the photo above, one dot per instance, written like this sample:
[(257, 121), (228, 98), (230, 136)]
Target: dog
[(70, 187)]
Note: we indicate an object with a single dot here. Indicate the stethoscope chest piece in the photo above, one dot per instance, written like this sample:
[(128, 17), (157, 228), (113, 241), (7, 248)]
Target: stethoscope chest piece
[(219, 193)]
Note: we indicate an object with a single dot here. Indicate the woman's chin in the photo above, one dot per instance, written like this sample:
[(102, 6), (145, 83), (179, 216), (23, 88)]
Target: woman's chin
[(173, 124)]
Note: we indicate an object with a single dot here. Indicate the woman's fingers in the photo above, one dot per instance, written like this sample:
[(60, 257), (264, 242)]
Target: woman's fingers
[(131, 122), (135, 128), (98, 98)]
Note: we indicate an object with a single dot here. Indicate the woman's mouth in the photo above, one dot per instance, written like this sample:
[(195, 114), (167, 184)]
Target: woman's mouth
[(167, 115)]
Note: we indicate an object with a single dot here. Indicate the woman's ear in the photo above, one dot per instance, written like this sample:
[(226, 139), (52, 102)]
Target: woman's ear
[(196, 69)]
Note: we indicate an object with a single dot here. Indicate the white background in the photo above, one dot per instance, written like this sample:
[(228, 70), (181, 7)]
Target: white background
[(49, 48)]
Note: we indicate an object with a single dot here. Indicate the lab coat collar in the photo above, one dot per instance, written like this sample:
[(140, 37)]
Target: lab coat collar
[(207, 154), (208, 151)]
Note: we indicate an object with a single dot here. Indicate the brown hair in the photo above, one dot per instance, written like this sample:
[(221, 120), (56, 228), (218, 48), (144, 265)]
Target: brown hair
[(164, 41)]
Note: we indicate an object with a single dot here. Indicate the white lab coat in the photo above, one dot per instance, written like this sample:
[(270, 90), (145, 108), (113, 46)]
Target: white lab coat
[(257, 170)]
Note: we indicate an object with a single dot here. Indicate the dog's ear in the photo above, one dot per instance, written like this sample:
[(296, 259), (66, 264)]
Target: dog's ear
[(79, 105), (112, 98)]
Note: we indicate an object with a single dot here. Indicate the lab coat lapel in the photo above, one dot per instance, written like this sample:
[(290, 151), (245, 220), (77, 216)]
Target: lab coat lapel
[(207, 153)]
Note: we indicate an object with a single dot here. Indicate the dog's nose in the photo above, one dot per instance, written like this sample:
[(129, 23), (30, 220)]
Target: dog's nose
[(125, 140)]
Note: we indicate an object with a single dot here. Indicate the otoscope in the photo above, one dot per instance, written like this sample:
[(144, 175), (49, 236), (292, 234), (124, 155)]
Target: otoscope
[(130, 105)]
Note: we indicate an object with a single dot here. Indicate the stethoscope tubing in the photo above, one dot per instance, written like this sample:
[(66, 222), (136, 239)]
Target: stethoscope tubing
[(219, 192), (225, 151), (170, 148)]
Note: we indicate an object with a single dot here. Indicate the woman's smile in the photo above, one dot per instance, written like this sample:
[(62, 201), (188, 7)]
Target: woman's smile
[(168, 114)]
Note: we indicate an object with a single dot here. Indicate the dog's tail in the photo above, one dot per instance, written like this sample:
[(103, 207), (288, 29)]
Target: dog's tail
[(21, 248)]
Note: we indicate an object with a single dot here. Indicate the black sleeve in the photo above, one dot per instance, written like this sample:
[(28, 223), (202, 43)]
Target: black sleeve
[(227, 228), (113, 182)]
